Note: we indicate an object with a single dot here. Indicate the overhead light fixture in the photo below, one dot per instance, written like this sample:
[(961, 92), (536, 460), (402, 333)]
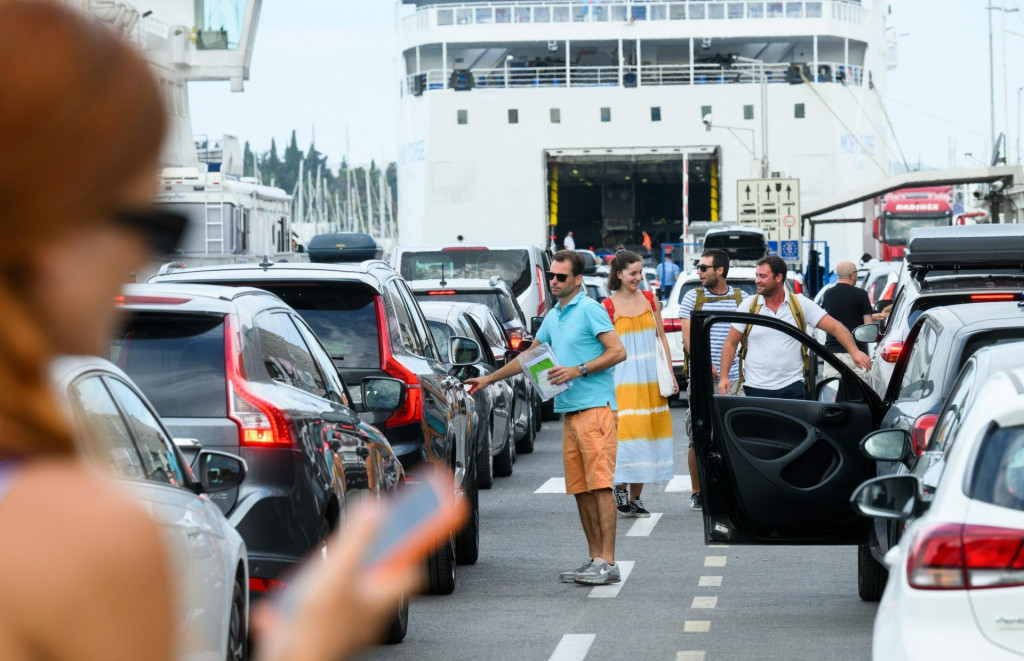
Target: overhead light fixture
[(627, 177)]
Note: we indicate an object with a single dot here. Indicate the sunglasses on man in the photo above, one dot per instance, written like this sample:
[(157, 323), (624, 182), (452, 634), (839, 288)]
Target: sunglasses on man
[(704, 267), (561, 277), (161, 230)]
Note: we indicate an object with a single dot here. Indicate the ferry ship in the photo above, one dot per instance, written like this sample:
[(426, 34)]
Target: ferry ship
[(527, 119)]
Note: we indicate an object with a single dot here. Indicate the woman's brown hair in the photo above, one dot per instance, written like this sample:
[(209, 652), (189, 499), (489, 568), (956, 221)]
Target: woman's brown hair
[(622, 260), (81, 118)]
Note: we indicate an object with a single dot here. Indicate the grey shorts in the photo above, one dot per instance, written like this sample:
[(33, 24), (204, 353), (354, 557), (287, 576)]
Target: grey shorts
[(737, 391)]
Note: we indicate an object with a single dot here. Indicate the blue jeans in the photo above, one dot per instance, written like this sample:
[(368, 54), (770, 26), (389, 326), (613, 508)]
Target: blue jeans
[(792, 391)]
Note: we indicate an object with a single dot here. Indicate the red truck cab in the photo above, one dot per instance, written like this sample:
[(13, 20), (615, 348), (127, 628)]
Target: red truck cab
[(905, 209)]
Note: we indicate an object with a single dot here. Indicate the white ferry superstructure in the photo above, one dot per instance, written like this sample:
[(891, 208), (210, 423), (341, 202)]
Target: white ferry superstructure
[(527, 119)]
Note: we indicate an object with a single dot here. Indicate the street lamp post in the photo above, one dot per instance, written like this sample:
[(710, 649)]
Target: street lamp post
[(709, 124), (764, 111)]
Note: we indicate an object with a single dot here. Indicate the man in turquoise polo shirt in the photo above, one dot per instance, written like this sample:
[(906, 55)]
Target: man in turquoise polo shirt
[(586, 346)]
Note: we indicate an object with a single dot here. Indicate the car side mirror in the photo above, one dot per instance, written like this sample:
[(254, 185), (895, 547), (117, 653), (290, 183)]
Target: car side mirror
[(464, 351), (881, 305), (535, 323), (382, 393), (888, 497), (220, 471), (867, 333), (887, 445)]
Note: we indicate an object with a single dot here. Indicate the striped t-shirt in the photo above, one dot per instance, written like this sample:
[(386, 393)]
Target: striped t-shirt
[(719, 331)]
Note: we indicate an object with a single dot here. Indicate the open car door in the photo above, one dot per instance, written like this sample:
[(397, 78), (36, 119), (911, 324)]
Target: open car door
[(778, 471)]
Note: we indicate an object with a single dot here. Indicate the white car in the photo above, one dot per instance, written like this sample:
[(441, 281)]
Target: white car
[(596, 287), (956, 579), (121, 434)]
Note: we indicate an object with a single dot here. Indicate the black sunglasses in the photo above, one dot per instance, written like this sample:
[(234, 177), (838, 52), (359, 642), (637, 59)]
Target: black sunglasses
[(561, 277), (704, 267), (162, 230)]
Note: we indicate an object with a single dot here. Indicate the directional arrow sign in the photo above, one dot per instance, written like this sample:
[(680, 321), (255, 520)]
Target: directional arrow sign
[(774, 206)]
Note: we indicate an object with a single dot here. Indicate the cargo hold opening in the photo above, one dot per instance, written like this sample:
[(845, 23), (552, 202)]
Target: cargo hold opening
[(608, 200)]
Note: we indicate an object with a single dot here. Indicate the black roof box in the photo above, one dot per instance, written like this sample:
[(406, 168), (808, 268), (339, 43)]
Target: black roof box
[(343, 247), (966, 246)]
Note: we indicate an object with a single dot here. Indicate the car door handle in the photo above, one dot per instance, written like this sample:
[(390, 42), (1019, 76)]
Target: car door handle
[(448, 382), (833, 413)]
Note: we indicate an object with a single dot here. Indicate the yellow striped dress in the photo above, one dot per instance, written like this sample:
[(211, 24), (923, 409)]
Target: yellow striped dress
[(645, 424)]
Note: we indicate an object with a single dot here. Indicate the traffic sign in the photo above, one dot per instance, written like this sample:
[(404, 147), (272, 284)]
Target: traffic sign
[(774, 206)]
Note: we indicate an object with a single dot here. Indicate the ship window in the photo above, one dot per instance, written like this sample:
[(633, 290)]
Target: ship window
[(794, 10), (522, 14), (748, 112), (677, 12), (657, 12), (656, 113), (606, 114), (774, 10), (704, 111), (502, 15), (463, 117), (556, 116), (542, 14), (716, 10), (735, 10), (445, 17), (696, 11), (619, 13), (812, 10), (755, 10), (561, 14), (464, 16), (798, 111), (484, 15), (513, 115)]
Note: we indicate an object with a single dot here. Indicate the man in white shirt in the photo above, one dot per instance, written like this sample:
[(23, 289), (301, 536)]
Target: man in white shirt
[(569, 243), (773, 365)]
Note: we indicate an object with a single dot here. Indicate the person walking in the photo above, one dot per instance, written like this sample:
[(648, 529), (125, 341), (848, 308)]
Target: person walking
[(668, 273), (569, 243), (586, 347), (645, 423), (772, 363), (85, 572), (714, 295), (851, 306)]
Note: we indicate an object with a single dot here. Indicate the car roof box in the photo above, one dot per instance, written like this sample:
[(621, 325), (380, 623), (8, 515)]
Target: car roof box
[(959, 246), (343, 247)]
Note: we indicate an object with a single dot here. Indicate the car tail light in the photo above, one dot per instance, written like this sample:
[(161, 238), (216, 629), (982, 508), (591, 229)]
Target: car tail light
[(887, 294), (265, 584), (515, 340), (411, 410), (672, 325), (981, 298), (442, 292), (261, 423), (150, 300), (922, 432), (540, 292), (891, 352), (956, 556)]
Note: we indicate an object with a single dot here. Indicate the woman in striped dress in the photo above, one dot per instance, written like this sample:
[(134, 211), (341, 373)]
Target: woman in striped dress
[(645, 424)]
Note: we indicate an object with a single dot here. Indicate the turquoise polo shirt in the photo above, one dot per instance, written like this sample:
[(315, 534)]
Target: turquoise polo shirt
[(572, 333)]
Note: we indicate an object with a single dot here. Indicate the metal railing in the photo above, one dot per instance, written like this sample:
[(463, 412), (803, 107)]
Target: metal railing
[(646, 75), (582, 11)]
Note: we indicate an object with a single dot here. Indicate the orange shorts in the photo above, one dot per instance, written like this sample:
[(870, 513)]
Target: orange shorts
[(589, 446)]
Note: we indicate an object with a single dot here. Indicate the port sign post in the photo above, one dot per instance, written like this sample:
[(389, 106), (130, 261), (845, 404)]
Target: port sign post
[(773, 205)]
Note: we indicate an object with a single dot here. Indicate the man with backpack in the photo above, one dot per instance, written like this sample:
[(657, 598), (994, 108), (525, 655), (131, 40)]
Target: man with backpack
[(714, 295), (773, 364)]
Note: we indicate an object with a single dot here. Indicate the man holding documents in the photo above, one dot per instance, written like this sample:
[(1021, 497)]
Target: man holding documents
[(585, 347)]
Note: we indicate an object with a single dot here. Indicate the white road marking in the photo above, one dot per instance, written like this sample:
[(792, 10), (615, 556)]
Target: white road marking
[(696, 626), (718, 546), (690, 656), (704, 602), (573, 647), (644, 527), (714, 560), (710, 582), (553, 485), (677, 484), (612, 589)]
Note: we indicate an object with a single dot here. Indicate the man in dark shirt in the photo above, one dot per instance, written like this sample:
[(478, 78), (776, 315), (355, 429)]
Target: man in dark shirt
[(850, 305)]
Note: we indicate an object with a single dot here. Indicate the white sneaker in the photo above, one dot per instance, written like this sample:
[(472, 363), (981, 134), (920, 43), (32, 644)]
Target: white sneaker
[(599, 573)]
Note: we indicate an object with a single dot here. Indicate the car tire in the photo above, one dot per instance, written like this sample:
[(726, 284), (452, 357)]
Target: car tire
[(237, 647), (535, 413), (441, 569), (525, 444), (467, 542), (485, 469), (504, 461), (871, 575), (400, 625)]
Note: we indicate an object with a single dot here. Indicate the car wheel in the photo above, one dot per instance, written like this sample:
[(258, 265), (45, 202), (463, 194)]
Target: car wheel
[(535, 413), (525, 444), (503, 462), (871, 575), (441, 569), (400, 625), (467, 543), (237, 635), (485, 460)]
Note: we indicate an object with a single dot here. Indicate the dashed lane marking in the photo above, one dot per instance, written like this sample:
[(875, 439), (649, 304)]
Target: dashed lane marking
[(644, 527), (678, 484), (612, 589), (714, 560), (704, 602), (553, 485), (718, 546), (690, 656), (573, 647), (696, 626), (710, 582)]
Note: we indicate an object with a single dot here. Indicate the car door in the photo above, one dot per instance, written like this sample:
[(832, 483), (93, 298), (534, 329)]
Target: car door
[(779, 471)]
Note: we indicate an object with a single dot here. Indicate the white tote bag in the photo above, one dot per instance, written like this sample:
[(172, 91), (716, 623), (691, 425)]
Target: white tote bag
[(664, 371)]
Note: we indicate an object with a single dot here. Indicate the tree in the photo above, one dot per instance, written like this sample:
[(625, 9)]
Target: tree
[(290, 169), (272, 165), (248, 162)]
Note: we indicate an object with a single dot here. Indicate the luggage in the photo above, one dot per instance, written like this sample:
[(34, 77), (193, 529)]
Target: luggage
[(341, 247)]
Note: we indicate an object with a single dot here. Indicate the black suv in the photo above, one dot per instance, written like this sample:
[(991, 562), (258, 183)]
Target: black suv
[(236, 370), (371, 326)]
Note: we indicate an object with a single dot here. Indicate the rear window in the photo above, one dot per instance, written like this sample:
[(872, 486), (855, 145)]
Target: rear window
[(342, 315), (999, 472), (501, 305), (737, 246), (749, 288), (177, 361), (513, 266)]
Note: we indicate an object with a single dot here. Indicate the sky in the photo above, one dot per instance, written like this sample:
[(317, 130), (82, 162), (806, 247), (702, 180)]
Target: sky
[(330, 66)]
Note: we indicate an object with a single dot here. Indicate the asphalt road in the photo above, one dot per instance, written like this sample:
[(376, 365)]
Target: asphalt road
[(681, 601)]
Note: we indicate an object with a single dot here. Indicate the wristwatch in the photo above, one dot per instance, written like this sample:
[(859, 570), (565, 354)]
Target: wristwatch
[(583, 369)]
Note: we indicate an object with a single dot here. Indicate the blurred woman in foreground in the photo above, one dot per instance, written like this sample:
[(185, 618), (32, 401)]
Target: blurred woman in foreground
[(83, 572)]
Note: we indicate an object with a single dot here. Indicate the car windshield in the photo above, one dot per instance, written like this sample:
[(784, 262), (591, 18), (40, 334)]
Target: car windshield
[(897, 228), (501, 305), (512, 266), (177, 361), (342, 314), (738, 246), (998, 476), (748, 287)]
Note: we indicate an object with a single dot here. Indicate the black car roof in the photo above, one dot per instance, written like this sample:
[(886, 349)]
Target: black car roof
[(372, 272), (932, 248)]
